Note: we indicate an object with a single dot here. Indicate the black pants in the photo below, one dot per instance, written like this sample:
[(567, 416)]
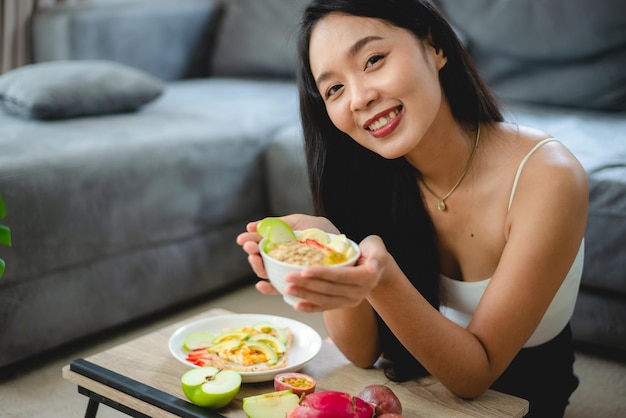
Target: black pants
[(543, 375)]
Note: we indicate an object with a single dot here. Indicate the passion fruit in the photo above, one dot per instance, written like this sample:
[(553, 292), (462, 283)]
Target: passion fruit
[(298, 383), (383, 399)]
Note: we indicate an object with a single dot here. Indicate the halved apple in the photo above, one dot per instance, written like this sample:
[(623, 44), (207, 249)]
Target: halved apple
[(211, 387)]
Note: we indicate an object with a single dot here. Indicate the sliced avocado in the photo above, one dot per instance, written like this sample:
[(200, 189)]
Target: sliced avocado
[(269, 328), (263, 326), (234, 335), (270, 340), (264, 348), (227, 345), (281, 335)]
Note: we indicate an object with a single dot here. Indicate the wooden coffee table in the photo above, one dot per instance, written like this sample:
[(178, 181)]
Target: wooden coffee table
[(142, 379)]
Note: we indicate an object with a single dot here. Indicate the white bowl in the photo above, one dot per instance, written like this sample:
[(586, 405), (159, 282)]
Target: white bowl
[(277, 270)]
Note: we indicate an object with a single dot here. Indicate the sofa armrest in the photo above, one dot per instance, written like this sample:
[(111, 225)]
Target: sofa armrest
[(168, 39)]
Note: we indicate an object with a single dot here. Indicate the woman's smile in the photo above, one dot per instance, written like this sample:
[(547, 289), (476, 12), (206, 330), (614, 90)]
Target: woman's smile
[(385, 122)]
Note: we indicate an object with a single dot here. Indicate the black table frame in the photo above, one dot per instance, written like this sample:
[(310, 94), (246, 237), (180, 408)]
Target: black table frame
[(135, 389)]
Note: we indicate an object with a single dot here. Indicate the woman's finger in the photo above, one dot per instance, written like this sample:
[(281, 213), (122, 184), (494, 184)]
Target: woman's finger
[(256, 262), (266, 288)]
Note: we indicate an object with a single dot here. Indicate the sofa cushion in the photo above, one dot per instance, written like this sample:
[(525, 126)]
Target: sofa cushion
[(169, 39), (287, 178), (258, 39), (605, 253), (88, 189), (556, 52), (65, 89)]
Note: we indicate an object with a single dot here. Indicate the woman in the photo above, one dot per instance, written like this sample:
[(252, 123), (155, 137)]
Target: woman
[(468, 226)]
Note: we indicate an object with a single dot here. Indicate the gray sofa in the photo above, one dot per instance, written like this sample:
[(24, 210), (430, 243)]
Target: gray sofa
[(117, 216)]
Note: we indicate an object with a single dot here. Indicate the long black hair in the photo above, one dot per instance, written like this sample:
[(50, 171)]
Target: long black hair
[(363, 193)]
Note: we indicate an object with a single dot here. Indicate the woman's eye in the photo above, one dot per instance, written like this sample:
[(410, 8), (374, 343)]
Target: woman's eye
[(333, 90), (373, 60)]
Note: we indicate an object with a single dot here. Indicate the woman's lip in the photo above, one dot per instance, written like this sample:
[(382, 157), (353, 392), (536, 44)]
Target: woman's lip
[(388, 128)]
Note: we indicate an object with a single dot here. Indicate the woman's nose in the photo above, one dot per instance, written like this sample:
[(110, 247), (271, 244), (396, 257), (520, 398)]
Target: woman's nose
[(362, 97)]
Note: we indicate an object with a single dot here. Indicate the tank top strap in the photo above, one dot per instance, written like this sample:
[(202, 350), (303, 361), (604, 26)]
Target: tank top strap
[(523, 163)]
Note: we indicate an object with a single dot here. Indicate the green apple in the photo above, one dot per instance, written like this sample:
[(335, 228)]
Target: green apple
[(276, 231), (270, 405), (197, 340), (211, 387)]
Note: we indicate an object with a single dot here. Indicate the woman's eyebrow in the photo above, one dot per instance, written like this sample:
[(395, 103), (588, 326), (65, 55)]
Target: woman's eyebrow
[(360, 44), (352, 51)]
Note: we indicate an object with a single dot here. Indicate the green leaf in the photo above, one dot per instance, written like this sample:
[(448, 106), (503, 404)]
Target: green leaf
[(5, 235), (1, 267), (3, 209)]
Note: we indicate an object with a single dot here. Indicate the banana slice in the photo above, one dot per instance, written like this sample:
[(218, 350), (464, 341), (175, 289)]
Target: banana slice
[(314, 234)]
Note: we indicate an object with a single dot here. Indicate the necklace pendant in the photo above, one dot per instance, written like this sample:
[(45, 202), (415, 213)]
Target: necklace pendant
[(441, 206)]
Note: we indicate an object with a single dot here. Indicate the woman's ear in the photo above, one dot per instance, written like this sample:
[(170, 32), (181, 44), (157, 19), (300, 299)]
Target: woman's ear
[(440, 59), (436, 52)]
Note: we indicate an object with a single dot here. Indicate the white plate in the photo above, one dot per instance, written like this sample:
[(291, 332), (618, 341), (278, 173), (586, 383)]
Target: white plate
[(306, 341)]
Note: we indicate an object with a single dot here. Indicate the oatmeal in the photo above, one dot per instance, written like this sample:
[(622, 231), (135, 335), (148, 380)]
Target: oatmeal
[(306, 253)]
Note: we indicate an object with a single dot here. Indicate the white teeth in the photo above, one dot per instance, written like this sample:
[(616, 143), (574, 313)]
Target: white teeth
[(382, 121)]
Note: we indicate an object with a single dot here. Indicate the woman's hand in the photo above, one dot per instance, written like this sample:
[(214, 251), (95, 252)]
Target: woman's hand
[(250, 239), (324, 288)]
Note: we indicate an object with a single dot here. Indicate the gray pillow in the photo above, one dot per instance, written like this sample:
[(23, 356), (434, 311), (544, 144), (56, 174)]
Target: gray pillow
[(65, 89), (554, 52), (257, 39)]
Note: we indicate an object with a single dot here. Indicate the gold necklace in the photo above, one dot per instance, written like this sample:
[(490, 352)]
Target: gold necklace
[(442, 200)]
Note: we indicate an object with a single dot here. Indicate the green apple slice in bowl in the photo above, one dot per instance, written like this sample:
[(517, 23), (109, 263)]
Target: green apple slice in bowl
[(275, 231)]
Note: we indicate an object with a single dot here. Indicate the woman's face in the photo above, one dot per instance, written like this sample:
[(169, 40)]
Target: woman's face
[(380, 84)]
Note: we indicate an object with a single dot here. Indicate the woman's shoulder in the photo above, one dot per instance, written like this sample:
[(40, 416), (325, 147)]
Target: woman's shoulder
[(543, 165), (537, 149)]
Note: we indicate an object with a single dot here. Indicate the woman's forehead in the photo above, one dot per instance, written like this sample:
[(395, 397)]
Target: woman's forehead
[(343, 25), (341, 34)]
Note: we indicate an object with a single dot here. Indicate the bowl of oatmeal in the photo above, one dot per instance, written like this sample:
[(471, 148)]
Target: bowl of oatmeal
[(312, 248)]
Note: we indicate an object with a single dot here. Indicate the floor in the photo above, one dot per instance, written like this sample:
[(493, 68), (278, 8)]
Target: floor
[(40, 391)]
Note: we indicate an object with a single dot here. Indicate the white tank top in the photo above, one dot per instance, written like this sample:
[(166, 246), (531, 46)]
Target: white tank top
[(459, 300)]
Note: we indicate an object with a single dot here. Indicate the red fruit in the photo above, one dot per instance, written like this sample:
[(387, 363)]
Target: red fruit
[(383, 399), (389, 415), (298, 383), (331, 404), (316, 244)]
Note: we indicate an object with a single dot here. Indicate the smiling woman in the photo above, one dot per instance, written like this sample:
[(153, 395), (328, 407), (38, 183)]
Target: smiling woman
[(408, 152)]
